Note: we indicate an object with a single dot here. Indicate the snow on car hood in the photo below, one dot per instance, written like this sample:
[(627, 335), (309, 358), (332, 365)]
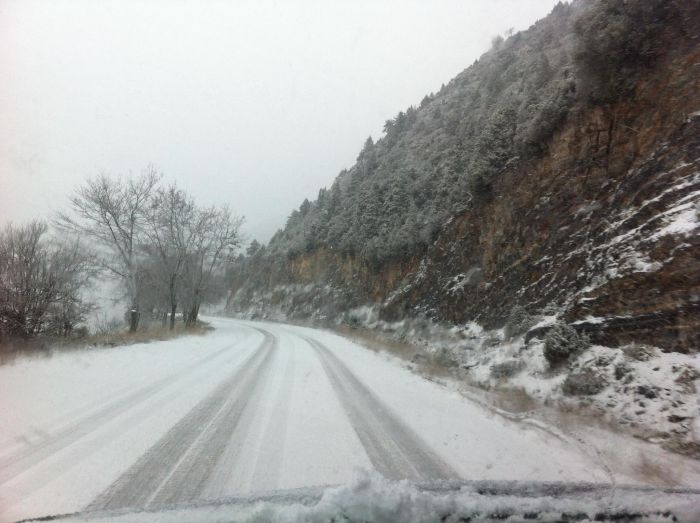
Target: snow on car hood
[(372, 498)]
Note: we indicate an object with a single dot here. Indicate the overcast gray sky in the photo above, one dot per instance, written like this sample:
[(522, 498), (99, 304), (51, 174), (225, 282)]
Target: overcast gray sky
[(253, 103)]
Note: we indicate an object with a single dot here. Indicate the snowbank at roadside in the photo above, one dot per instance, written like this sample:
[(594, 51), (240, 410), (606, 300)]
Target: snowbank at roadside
[(653, 393)]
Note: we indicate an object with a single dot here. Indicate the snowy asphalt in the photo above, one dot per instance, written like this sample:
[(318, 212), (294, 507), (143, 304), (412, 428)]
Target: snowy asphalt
[(252, 407)]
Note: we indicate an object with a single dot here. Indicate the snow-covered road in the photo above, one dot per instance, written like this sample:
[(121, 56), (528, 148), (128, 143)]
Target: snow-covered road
[(251, 407)]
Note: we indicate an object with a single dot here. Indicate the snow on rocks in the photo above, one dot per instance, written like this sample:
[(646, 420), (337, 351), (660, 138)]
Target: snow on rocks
[(650, 392)]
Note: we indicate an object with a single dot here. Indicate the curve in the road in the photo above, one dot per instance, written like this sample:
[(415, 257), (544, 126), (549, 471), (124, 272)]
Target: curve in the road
[(395, 450), (177, 467)]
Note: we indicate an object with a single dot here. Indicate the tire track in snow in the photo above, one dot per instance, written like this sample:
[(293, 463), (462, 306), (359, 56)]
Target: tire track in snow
[(394, 449), (239, 463), (267, 467), (28, 457), (62, 422), (178, 466), (59, 464), (198, 471)]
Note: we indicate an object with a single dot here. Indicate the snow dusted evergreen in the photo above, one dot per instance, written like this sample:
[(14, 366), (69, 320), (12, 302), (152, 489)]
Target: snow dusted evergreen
[(441, 157), (434, 159), (562, 342)]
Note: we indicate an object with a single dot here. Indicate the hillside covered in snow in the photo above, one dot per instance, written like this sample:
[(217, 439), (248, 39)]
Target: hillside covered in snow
[(533, 224)]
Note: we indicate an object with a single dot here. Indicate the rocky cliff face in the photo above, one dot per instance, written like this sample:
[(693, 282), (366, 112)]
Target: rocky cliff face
[(601, 225), (604, 225)]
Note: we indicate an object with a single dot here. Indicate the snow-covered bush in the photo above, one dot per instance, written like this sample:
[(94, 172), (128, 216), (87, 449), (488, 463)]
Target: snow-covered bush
[(505, 369), (519, 322), (584, 382), (686, 378), (623, 371), (639, 352), (360, 316), (562, 342)]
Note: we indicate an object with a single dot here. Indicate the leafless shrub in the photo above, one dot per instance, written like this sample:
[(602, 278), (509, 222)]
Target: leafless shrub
[(584, 382), (41, 283)]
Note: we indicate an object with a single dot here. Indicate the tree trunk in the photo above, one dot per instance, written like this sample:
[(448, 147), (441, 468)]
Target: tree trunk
[(173, 302), (133, 320), (194, 310), (192, 316), (134, 296)]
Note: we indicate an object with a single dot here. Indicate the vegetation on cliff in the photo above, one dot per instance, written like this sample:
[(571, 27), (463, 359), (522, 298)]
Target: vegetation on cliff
[(442, 156), (540, 176)]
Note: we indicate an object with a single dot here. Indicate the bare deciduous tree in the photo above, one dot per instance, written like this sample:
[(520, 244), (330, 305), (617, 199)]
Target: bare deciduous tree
[(41, 282), (112, 212), (165, 249), (215, 239), (170, 234)]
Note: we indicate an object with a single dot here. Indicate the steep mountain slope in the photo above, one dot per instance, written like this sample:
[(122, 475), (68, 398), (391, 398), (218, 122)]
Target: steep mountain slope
[(561, 169), (533, 225)]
